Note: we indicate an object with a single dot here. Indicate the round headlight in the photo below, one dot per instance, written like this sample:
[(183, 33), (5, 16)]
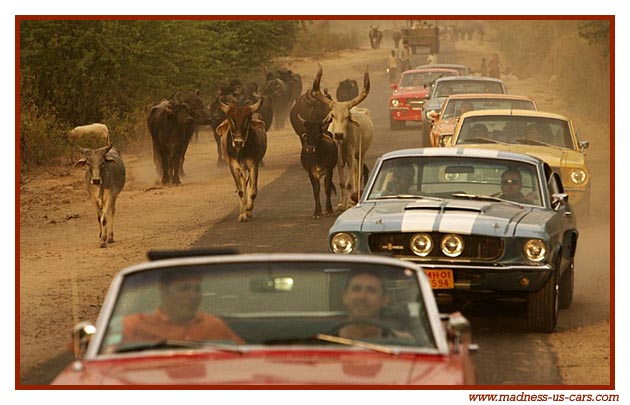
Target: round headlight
[(578, 176), (452, 245), (421, 244), (342, 243), (395, 102), (535, 250)]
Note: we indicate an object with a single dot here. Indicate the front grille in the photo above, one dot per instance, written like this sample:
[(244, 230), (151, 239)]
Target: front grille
[(483, 248)]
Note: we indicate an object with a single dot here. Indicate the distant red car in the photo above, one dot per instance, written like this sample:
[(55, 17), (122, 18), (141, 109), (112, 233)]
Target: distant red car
[(271, 319), (405, 103)]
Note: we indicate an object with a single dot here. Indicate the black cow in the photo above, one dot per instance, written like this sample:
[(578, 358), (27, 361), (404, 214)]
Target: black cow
[(171, 126), (375, 37), (244, 144), (309, 107), (241, 94), (319, 159), (347, 90), (283, 87)]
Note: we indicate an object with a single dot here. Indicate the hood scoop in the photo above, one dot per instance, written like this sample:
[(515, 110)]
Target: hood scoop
[(446, 206)]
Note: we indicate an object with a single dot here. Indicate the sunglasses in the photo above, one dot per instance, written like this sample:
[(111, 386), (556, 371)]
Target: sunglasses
[(510, 182)]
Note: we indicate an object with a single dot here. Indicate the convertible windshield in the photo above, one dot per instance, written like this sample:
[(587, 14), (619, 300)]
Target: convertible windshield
[(422, 79), (446, 88), (456, 107), (516, 129), (429, 177), (215, 306)]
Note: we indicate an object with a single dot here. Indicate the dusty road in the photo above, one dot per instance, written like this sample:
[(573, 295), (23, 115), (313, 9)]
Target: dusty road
[(63, 274)]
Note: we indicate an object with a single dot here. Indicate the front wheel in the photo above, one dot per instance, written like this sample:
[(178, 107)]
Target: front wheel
[(566, 287), (542, 307)]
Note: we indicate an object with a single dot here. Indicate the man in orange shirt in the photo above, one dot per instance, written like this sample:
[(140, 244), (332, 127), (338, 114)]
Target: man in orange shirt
[(177, 317)]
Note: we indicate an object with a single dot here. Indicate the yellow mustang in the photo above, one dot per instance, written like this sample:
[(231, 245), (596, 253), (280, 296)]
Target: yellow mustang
[(550, 137)]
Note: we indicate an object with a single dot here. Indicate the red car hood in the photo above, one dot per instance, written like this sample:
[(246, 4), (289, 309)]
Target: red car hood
[(271, 368), (420, 92)]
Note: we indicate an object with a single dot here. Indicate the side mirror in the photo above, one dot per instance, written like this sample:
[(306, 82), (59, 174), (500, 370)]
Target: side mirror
[(583, 145), (394, 86), (81, 335), (558, 200), (459, 333)]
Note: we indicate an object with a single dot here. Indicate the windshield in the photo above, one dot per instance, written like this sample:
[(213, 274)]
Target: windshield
[(427, 177), (456, 107), (266, 303), (422, 79), (516, 130), (446, 88)]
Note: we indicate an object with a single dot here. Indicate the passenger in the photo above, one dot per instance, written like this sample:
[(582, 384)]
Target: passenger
[(177, 317), (466, 106), (401, 181)]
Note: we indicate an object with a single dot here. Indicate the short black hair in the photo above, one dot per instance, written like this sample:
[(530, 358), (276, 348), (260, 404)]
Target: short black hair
[(374, 274)]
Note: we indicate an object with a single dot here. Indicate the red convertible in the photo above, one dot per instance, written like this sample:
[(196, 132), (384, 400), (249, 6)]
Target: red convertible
[(405, 103), (276, 319)]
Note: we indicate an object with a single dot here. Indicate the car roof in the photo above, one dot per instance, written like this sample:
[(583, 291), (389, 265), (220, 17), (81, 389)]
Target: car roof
[(490, 95), (466, 152), (430, 70), (475, 78), (519, 113), (442, 65)]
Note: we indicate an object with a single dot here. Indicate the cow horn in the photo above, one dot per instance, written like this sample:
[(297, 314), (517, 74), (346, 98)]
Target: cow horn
[(224, 107), (366, 89), (302, 120), (316, 89), (178, 97), (254, 107)]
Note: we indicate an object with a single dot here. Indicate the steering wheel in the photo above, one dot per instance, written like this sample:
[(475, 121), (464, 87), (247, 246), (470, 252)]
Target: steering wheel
[(386, 330)]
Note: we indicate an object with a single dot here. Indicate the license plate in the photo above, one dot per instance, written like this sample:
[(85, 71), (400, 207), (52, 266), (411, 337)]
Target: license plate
[(441, 279)]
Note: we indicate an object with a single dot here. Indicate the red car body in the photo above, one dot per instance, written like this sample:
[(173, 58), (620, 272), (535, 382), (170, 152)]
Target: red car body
[(273, 367), (407, 99)]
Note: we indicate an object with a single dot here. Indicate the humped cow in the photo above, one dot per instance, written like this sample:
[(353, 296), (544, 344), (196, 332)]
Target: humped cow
[(309, 107), (104, 178), (347, 90), (284, 87), (242, 94), (352, 130), (244, 144), (319, 158), (97, 129), (375, 37), (171, 126)]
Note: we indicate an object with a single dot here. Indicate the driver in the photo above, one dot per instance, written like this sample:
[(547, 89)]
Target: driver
[(511, 184), (364, 297)]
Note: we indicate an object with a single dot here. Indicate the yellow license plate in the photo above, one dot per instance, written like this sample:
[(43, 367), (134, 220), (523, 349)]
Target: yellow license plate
[(441, 279)]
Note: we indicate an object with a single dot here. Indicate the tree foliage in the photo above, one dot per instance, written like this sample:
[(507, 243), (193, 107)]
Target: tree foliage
[(74, 72), (596, 33)]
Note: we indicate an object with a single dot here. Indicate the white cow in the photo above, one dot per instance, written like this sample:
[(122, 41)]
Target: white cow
[(352, 130), (97, 129)]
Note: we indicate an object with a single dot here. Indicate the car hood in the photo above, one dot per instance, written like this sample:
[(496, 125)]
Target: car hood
[(457, 216), (271, 368), (555, 157), (410, 92)]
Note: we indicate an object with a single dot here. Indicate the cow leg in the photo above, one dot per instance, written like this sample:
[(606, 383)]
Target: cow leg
[(240, 181), (165, 167), (316, 192), (343, 198), (109, 213), (329, 186), (252, 183), (220, 161)]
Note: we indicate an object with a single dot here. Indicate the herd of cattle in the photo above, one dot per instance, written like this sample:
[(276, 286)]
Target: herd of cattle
[(333, 133)]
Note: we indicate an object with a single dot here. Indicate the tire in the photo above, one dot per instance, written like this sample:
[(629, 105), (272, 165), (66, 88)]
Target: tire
[(566, 288), (542, 307)]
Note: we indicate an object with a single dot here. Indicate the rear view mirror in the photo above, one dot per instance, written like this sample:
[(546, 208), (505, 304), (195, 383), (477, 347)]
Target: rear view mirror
[(277, 284), (459, 169)]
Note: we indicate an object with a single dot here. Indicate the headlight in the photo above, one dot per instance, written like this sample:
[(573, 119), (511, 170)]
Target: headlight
[(535, 250), (395, 102), (452, 245), (342, 243), (578, 176), (421, 244)]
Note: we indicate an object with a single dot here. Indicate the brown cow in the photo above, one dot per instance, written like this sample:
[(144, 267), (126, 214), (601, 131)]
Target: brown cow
[(244, 144)]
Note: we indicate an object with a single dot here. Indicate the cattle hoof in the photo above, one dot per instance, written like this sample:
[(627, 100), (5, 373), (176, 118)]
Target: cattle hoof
[(102, 245), (111, 240), (317, 216)]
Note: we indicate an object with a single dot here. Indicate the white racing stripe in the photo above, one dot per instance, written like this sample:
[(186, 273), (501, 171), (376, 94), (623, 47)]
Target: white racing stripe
[(458, 222), (418, 221)]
